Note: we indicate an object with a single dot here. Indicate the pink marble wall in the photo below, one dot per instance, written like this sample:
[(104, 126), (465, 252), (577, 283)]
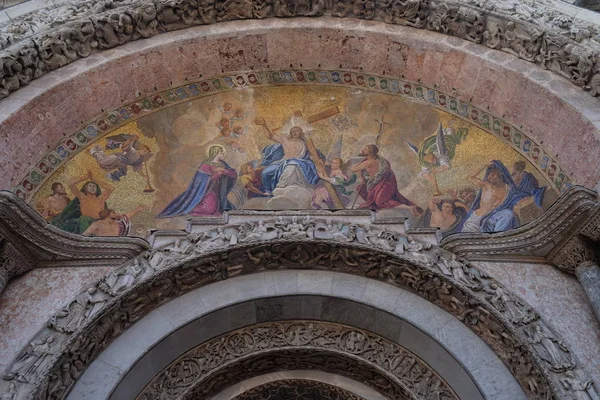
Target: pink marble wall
[(560, 300), (558, 115), (28, 301)]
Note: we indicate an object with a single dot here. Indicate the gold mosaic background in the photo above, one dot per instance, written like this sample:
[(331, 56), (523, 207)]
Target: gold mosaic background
[(180, 136)]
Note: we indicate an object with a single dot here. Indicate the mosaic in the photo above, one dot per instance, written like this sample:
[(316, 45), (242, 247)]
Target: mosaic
[(294, 140)]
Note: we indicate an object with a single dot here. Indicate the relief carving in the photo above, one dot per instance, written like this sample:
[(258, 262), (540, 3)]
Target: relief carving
[(84, 306), (188, 375), (534, 31), (28, 364), (510, 38), (550, 349), (463, 22), (497, 316)]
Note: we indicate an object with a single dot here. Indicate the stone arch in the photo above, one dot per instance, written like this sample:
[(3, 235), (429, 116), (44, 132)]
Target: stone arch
[(392, 317), (543, 111), (76, 335)]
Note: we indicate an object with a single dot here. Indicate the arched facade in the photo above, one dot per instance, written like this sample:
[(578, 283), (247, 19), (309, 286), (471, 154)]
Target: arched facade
[(328, 288)]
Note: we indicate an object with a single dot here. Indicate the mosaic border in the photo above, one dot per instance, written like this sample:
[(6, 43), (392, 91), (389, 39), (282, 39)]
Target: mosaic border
[(109, 121)]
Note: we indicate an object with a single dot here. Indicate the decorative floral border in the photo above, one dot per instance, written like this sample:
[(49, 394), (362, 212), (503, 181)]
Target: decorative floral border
[(109, 121)]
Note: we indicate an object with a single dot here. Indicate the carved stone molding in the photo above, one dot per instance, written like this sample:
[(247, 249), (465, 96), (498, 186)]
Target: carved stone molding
[(577, 210), (297, 389), (536, 31), (27, 241), (298, 345), (76, 335), (582, 246)]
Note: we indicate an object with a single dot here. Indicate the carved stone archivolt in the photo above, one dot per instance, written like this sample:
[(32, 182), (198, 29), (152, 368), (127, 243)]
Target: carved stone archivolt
[(535, 354), (379, 363), (536, 31), (297, 389)]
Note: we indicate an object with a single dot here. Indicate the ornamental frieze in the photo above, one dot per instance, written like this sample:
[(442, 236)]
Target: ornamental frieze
[(74, 337), (189, 376), (297, 389)]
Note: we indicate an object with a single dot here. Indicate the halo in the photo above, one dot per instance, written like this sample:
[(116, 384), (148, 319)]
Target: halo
[(299, 122), (223, 149)]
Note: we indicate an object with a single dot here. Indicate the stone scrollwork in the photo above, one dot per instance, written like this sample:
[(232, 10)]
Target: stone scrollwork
[(297, 389), (464, 22), (532, 350), (187, 377), (537, 31)]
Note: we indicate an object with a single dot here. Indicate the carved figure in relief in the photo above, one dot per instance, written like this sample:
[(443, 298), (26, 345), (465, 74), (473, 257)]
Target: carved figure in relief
[(207, 11), (581, 390), (550, 349), (459, 271), (516, 312), (112, 30), (27, 365), (229, 10), (218, 239), (291, 8), (377, 238), (120, 280), (294, 230), (11, 393), (85, 306), (145, 18)]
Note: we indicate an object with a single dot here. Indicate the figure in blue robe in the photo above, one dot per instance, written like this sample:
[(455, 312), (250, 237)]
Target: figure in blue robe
[(526, 182), (502, 217), (208, 190), (275, 164)]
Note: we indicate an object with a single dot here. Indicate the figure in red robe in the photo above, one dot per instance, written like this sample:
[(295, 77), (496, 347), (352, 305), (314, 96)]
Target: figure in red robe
[(379, 188), (208, 190)]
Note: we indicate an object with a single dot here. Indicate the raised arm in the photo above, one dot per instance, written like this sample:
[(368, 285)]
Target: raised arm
[(132, 214), (261, 122), (360, 166), (475, 180), (72, 183), (106, 189)]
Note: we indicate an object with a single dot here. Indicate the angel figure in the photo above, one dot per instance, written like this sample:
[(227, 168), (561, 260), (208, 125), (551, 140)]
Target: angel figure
[(436, 151), (130, 153)]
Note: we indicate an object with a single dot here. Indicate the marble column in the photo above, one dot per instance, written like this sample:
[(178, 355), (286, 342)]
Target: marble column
[(588, 274)]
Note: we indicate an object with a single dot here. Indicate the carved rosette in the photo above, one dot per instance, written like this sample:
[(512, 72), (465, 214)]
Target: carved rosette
[(532, 350), (399, 373), (47, 39)]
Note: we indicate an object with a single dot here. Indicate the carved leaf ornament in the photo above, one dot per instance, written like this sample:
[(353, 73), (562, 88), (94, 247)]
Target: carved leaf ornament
[(74, 337)]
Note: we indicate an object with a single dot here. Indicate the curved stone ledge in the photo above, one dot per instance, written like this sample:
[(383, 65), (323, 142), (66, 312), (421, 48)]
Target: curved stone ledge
[(511, 328)]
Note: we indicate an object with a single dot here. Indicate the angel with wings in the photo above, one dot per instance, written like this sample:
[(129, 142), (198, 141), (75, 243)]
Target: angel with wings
[(335, 173), (436, 151), (131, 152)]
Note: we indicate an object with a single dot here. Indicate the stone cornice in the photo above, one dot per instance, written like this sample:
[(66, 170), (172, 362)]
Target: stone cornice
[(575, 211), (536, 31), (39, 244)]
